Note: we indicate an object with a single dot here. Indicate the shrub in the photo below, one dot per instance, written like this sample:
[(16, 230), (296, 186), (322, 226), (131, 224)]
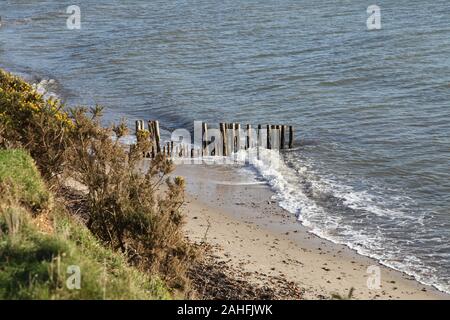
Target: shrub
[(28, 120), (131, 211), (127, 207)]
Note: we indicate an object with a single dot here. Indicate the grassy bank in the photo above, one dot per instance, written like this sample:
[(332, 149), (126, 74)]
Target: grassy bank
[(44, 249), (129, 242)]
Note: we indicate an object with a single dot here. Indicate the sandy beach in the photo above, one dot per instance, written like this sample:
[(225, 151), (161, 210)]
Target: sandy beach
[(249, 232)]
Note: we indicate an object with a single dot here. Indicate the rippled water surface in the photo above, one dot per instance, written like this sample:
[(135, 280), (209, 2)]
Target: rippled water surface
[(371, 108)]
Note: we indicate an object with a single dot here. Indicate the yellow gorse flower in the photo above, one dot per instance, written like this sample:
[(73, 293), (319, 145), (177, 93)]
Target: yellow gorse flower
[(19, 100)]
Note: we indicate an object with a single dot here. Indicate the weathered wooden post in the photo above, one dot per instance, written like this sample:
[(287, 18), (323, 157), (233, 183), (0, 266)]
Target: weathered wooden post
[(277, 136), (169, 151), (273, 137), (249, 139), (138, 126), (282, 140), (150, 127), (205, 139), (269, 140), (291, 137), (175, 151), (230, 136), (259, 136), (151, 130), (237, 127), (157, 135), (223, 132)]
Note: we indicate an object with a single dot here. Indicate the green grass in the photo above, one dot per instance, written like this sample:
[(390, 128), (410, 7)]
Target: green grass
[(35, 264), (19, 173)]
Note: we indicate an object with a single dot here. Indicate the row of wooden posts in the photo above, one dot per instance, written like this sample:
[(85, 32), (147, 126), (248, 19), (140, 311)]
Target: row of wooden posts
[(233, 139)]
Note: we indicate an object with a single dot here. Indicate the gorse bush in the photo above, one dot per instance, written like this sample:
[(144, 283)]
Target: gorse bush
[(127, 207), (131, 210), (29, 121)]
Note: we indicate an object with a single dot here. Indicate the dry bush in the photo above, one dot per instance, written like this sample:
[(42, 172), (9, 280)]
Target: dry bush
[(127, 208)]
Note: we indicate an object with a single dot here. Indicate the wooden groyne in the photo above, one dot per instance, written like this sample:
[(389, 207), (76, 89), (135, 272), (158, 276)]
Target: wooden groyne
[(225, 140)]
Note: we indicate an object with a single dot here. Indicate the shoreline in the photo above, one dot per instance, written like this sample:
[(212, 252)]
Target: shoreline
[(249, 232), (321, 267)]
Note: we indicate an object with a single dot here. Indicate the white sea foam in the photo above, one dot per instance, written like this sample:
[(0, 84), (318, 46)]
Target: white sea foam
[(47, 87), (300, 192)]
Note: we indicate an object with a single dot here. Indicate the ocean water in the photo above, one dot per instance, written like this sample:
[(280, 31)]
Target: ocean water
[(371, 109)]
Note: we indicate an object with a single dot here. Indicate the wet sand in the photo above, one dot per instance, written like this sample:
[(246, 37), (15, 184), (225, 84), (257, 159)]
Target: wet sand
[(248, 231)]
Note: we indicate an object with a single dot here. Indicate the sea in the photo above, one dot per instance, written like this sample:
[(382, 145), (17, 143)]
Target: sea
[(371, 108)]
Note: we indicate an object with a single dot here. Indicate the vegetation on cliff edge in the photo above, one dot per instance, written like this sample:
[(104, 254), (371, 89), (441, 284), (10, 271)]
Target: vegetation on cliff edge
[(132, 215)]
